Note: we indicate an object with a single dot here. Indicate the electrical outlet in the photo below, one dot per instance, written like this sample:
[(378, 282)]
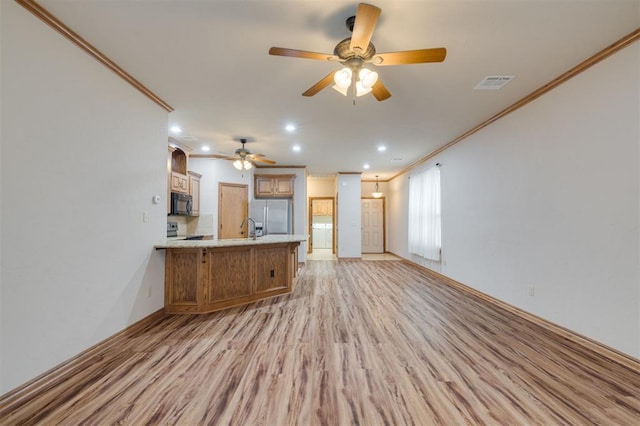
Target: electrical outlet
[(145, 217), (532, 290), (149, 291)]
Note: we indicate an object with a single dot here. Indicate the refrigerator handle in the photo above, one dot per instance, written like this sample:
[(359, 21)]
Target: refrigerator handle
[(266, 220)]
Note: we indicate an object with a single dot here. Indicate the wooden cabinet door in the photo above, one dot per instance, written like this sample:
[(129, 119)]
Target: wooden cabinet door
[(231, 274), (264, 187), (179, 183), (273, 186), (194, 191), (323, 207), (181, 278), (284, 187), (271, 268)]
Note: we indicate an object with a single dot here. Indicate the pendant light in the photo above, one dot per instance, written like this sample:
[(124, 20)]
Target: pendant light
[(377, 193)]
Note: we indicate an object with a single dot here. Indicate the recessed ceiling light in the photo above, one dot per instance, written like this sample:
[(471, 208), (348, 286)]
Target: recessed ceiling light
[(205, 148), (296, 148), (290, 127), (382, 148), (366, 166), (175, 129)]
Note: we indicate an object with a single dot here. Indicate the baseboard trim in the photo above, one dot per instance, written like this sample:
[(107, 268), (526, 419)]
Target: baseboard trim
[(599, 348), (58, 373)]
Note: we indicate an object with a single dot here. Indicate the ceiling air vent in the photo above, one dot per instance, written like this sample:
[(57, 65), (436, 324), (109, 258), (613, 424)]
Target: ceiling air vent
[(494, 82)]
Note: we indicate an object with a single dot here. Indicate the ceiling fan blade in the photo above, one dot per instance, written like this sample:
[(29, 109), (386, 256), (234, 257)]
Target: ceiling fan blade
[(380, 91), (263, 160), (419, 56), (222, 157), (293, 53), (366, 20), (320, 85)]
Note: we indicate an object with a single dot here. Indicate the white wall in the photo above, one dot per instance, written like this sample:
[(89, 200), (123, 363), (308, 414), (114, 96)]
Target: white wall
[(349, 219), (321, 186), (2, 387), (82, 154), (548, 197)]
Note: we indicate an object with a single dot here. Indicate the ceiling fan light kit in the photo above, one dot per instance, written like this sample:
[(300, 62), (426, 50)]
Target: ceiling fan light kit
[(242, 165), (357, 50), (245, 159), (363, 85), (343, 78)]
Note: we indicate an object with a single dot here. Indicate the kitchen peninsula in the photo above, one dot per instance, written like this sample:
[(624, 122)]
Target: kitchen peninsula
[(208, 275)]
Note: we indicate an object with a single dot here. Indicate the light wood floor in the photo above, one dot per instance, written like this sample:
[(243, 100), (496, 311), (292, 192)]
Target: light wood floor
[(326, 254), (368, 343)]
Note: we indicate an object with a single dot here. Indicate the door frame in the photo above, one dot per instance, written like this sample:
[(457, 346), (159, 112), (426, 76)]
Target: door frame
[(333, 225), (384, 220), (220, 204)]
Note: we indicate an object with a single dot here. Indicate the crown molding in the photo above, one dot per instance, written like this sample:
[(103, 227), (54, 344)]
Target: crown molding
[(582, 66), (374, 181), (280, 167), (60, 27)]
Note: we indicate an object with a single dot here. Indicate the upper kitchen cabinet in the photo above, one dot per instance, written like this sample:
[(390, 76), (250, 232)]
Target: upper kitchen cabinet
[(179, 160), (194, 191), (322, 207), (273, 186), (179, 181)]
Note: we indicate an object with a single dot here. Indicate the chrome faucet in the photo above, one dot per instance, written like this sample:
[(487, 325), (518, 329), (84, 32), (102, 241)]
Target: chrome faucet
[(251, 235)]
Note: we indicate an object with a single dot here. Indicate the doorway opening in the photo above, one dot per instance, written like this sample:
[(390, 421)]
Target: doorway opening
[(322, 224)]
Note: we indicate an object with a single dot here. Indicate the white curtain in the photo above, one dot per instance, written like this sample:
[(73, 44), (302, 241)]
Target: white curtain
[(425, 235)]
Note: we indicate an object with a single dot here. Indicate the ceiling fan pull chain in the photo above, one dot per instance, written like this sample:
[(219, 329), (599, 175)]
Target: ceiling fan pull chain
[(353, 85)]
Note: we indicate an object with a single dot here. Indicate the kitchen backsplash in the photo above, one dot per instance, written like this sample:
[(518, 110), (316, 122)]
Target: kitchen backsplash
[(194, 225)]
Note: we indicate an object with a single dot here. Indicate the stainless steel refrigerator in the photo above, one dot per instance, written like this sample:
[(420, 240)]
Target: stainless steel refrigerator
[(275, 216)]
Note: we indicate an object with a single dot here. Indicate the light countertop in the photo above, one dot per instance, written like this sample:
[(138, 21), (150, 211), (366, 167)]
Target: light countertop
[(267, 239)]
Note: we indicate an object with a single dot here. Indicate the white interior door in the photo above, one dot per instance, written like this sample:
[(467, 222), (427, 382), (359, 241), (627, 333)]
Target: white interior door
[(372, 225)]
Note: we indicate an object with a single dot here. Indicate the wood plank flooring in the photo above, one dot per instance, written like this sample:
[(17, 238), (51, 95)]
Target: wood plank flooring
[(368, 343)]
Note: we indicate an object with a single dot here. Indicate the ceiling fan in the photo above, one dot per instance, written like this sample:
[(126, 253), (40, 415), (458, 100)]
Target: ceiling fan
[(356, 51), (245, 159)]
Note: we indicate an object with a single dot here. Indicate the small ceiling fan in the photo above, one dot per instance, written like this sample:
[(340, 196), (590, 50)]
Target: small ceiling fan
[(356, 51), (245, 159)]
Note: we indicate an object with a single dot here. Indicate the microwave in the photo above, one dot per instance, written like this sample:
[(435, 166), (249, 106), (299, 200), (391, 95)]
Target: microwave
[(181, 204)]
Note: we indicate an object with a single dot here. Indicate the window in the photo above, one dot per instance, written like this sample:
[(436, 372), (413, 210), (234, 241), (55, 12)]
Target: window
[(425, 234)]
